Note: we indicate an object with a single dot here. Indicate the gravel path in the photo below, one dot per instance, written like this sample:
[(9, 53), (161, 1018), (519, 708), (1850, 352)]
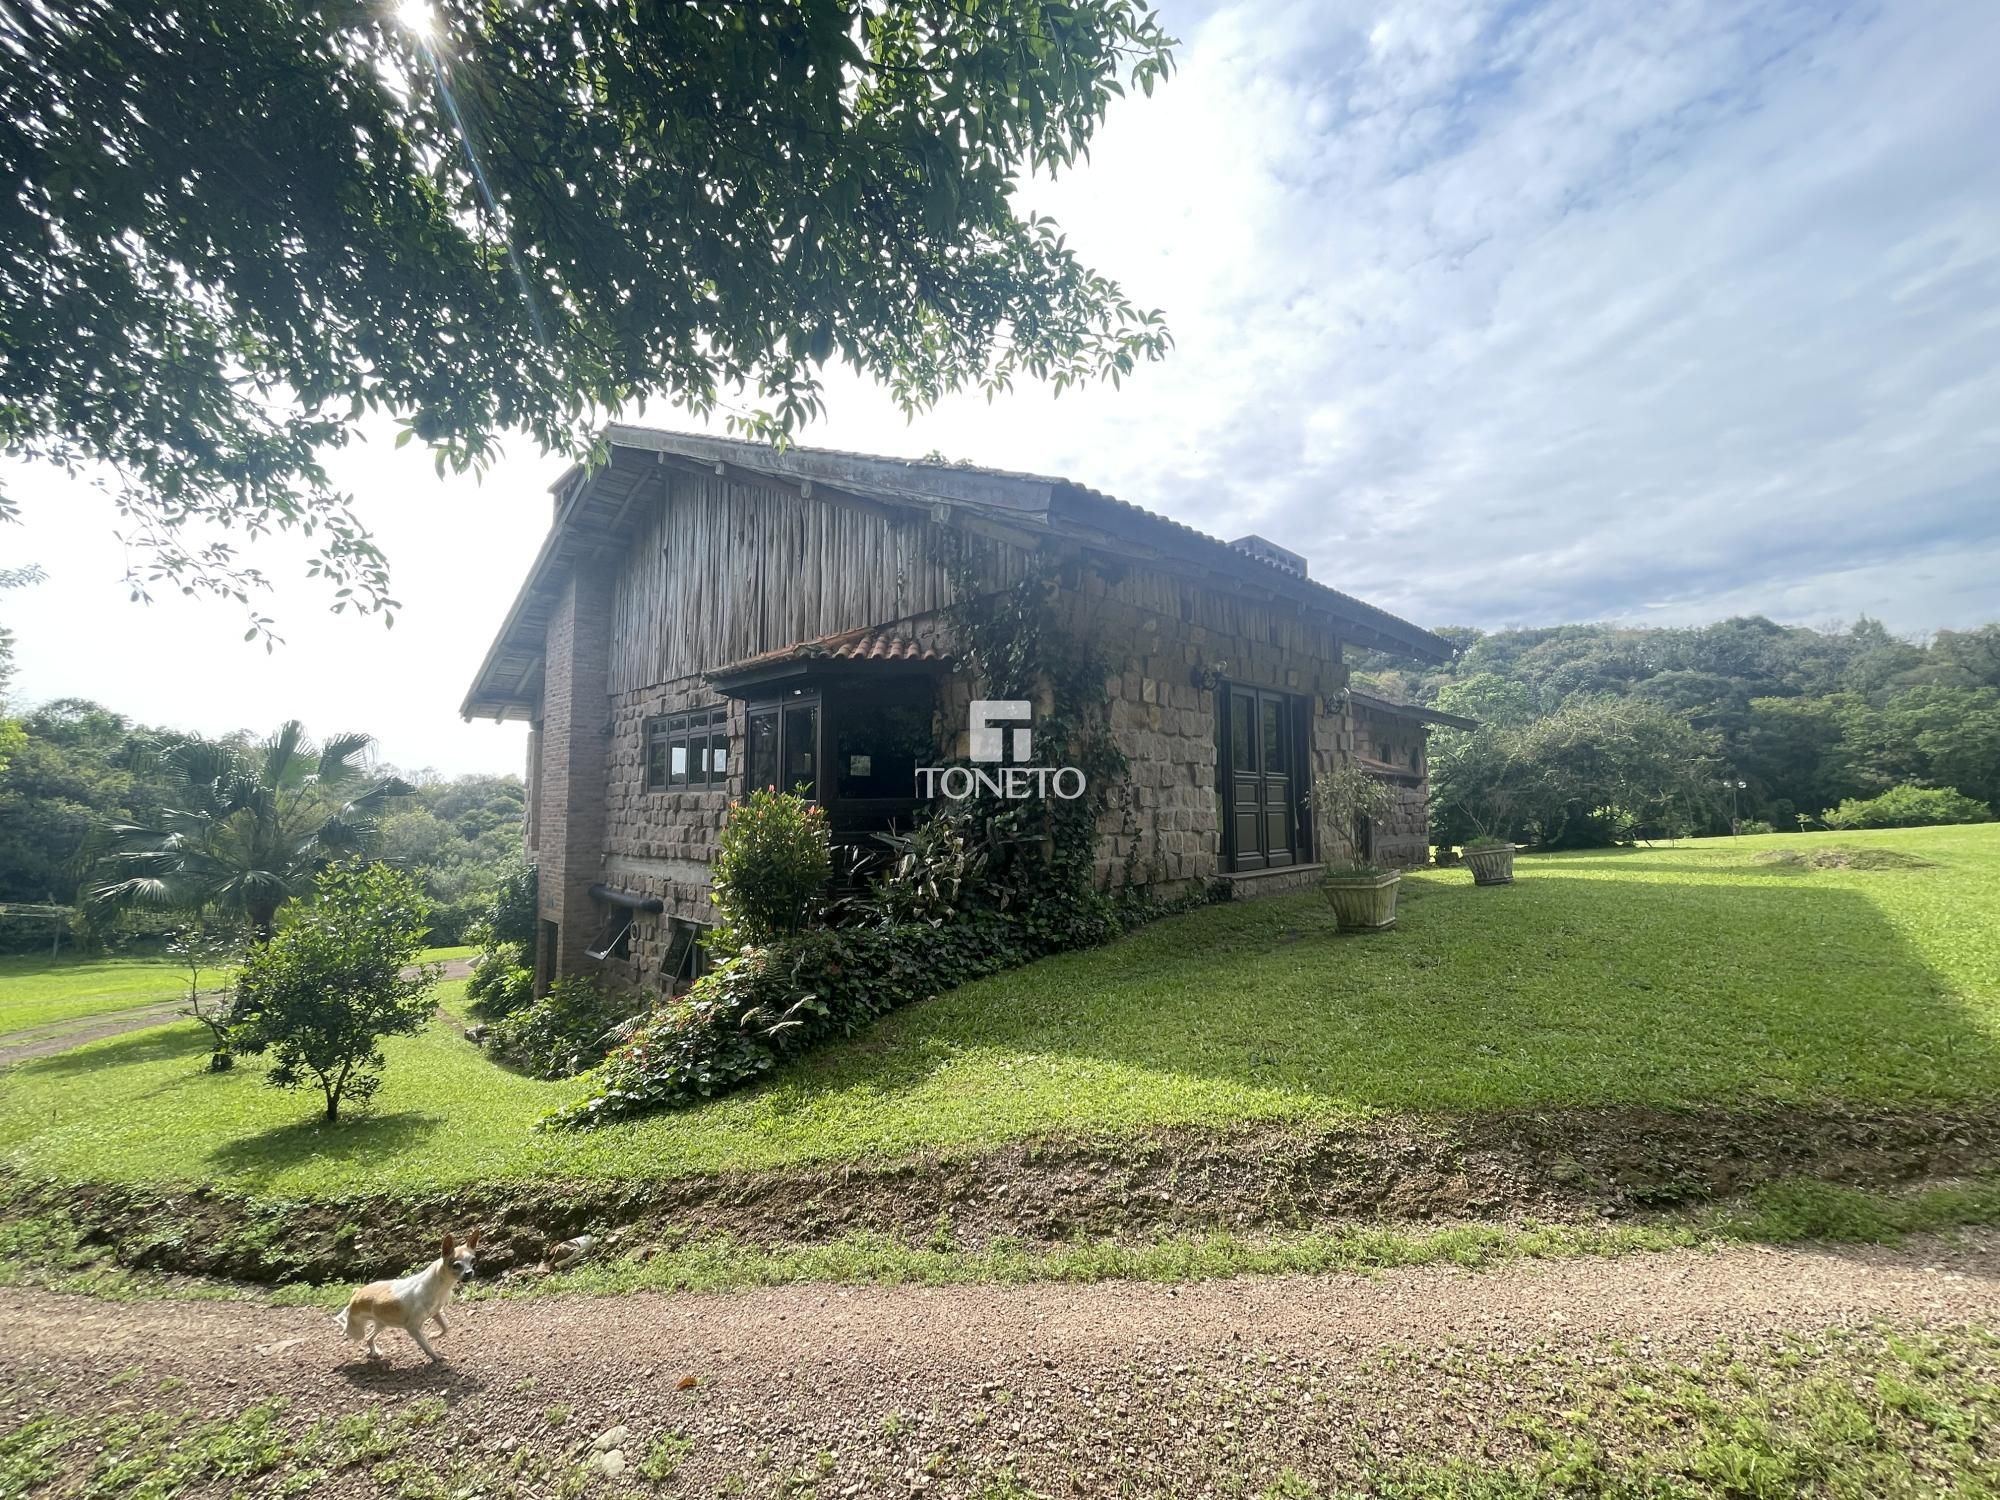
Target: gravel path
[(61, 1036), (1077, 1389)]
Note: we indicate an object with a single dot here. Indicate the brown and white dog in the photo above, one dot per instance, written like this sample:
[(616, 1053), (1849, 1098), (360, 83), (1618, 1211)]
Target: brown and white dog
[(412, 1301)]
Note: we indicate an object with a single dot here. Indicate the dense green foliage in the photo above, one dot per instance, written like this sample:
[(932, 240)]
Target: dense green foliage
[(772, 865), (79, 766), (1705, 974), (1804, 718), (242, 831), (329, 986), (519, 219), (503, 976), (772, 1002), (462, 840), (1908, 807), (566, 1031)]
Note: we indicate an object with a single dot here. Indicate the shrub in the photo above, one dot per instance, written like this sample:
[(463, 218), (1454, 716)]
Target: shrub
[(1908, 807), (775, 859), (512, 916), (770, 1002), (567, 1030), (329, 985), (501, 981), (1756, 825)]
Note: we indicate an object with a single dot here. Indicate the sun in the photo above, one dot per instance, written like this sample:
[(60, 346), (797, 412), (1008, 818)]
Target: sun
[(417, 18)]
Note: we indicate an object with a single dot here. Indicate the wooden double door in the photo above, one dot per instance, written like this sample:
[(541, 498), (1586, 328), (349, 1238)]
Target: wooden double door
[(1262, 777)]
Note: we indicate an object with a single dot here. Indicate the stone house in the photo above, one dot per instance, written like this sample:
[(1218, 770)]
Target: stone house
[(708, 614)]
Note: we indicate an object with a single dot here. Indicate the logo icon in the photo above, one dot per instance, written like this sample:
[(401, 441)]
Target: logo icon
[(990, 741), (1001, 738)]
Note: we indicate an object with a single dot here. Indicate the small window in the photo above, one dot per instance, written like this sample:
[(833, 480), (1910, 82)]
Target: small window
[(687, 750), (685, 958), (615, 941)]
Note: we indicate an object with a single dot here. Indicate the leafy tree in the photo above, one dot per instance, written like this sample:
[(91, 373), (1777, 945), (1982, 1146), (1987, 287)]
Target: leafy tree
[(322, 994), (1596, 771), (234, 229), (72, 770), (244, 831)]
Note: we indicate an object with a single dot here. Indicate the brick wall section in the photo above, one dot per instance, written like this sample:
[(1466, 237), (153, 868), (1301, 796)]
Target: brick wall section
[(570, 789)]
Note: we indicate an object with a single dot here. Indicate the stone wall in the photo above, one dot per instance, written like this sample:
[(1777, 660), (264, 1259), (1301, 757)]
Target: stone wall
[(1395, 748), (1163, 826)]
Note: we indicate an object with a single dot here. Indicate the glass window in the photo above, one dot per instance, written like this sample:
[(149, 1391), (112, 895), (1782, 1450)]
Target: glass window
[(801, 747), (677, 762), (1274, 736), (718, 750), (1242, 728), (878, 745), (761, 749)]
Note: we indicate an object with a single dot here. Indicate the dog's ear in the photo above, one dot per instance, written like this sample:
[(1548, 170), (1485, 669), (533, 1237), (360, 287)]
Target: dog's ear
[(472, 1240), (448, 1247)]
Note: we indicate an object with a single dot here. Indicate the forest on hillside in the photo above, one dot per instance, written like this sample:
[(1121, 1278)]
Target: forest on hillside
[(1599, 733), (70, 767)]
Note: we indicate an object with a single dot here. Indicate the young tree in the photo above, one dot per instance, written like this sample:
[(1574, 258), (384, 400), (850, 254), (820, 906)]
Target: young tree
[(207, 945), (234, 229), (325, 991)]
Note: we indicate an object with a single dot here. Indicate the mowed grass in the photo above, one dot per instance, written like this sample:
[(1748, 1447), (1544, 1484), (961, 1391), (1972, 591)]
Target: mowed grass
[(1692, 974), (37, 989)]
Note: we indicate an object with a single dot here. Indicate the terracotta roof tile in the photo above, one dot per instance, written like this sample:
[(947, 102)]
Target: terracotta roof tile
[(870, 643)]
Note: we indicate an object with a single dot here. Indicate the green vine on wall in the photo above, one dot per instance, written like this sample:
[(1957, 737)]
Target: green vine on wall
[(1016, 641)]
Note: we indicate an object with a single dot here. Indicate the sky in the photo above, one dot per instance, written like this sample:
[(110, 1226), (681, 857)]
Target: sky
[(1501, 313)]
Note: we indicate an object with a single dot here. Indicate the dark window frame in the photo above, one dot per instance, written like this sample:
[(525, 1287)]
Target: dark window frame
[(696, 733)]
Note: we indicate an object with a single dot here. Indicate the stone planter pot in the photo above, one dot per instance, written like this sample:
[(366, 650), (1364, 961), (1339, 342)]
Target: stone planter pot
[(1492, 866), (1363, 903)]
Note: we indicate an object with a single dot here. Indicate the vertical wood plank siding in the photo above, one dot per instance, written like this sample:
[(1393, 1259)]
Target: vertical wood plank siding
[(722, 570)]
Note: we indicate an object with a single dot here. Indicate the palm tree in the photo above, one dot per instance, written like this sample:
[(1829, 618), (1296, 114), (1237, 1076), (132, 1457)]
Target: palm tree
[(242, 830)]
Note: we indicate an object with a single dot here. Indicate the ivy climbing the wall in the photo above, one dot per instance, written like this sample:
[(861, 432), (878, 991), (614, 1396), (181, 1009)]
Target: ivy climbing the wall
[(977, 886)]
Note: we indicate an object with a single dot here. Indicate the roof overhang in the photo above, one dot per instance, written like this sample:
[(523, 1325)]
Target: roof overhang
[(597, 511), (1412, 711)]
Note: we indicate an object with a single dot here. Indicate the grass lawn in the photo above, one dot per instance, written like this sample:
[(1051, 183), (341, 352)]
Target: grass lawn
[(1703, 973), (37, 990)]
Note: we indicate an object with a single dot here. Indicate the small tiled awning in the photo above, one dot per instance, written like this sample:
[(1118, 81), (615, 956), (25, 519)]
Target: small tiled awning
[(873, 648)]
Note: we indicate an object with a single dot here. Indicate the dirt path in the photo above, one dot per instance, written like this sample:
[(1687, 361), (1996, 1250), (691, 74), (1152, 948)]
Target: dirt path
[(1152, 1389), (59, 1036)]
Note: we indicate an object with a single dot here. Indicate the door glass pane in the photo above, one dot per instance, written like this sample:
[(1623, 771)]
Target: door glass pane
[(1242, 725), (1273, 736), (760, 731), (802, 748)]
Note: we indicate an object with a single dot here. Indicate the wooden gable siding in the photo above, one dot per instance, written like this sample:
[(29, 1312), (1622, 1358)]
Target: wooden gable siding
[(723, 570)]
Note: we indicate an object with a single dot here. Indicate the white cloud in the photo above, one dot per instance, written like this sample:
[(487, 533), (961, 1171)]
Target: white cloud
[(1501, 312)]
